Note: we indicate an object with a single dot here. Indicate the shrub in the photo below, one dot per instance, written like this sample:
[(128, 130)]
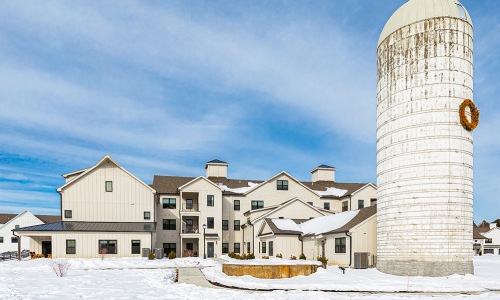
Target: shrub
[(265, 257), (171, 255), (60, 267), (279, 255), (323, 261), (302, 256), (293, 257), (151, 255), (242, 256)]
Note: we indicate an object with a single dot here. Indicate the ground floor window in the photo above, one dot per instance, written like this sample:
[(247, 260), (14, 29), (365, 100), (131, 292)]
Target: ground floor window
[(13, 239), (489, 251), (169, 247), (225, 248), (136, 247), (1, 239), (248, 247), (264, 250), (70, 246), (236, 247), (107, 247), (340, 245)]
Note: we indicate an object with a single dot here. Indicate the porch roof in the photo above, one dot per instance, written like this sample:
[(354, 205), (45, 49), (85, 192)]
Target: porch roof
[(93, 226)]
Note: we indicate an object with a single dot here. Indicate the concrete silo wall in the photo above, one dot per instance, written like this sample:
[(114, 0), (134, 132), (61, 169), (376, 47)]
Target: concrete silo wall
[(424, 155)]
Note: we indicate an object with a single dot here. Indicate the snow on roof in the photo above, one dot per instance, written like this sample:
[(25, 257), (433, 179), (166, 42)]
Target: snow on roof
[(317, 225), (286, 224), (240, 190), (331, 191)]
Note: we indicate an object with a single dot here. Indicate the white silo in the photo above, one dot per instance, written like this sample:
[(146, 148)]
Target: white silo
[(424, 153)]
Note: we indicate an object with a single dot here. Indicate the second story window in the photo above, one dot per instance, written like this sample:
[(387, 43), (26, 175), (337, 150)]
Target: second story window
[(225, 224), (109, 186), (361, 204), (257, 204), (68, 214), (488, 241), (210, 200), (169, 203), (147, 215), (345, 206), (236, 204), (326, 205), (169, 224), (236, 225), (17, 226), (210, 222), (282, 185)]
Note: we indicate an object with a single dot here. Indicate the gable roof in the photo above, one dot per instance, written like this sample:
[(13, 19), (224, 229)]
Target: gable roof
[(169, 184), (104, 159), (5, 218), (48, 218), (476, 233), (199, 178), (278, 231), (322, 186), (274, 177), (363, 215), (217, 161), (283, 205)]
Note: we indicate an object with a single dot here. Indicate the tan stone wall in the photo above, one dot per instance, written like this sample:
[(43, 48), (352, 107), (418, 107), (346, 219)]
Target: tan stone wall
[(269, 271)]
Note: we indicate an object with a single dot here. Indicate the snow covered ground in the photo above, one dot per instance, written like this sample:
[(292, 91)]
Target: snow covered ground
[(139, 278)]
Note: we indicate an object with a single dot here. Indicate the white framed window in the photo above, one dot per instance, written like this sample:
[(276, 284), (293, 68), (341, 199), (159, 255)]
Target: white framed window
[(109, 186)]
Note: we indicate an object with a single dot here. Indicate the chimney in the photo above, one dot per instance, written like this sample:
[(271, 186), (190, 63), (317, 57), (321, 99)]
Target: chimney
[(323, 173), (216, 168)]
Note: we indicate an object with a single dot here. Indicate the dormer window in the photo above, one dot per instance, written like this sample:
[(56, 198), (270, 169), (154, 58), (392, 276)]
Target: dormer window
[(282, 185), (109, 186)]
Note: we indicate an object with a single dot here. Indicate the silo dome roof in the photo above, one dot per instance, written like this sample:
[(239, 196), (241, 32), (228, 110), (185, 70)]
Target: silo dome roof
[(419, 10)]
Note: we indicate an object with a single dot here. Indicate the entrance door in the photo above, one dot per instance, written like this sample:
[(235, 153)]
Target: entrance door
[(46, 248), (210, 249), (271, 248)]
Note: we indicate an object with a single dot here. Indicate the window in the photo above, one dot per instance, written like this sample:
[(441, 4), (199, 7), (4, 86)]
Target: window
[(236, 204), (107, 247), (361, 204), (225, 225), (257, 204), (17, 226), (373, 202), (248, 247), (169, 203), (109, 186), (210, 222), (225, 248), (236, 225), (136, 247), (488, 241), (326, 205), (210, 200), (189, 203), (169, 224), (13, 239), (310, 203), (189, 246), (340, 245), (1, 239), (282, 185), (236, 247), (264, 247), (345, 206), (70, 246), (489, 251), (147, 215), (169, 247), (189, 226), (68, 214)]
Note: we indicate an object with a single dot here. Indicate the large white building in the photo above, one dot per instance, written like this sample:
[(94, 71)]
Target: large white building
[(108, 211), (424, 153)]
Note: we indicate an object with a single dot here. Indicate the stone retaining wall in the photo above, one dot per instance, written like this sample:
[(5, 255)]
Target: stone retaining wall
[(269, 271)]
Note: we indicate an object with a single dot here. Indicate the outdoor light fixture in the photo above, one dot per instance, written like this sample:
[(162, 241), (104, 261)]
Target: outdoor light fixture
[(204, 253)]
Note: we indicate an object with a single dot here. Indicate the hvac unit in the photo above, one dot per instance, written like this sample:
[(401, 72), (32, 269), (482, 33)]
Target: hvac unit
[(361, 260), (145, 252), (158, 253)]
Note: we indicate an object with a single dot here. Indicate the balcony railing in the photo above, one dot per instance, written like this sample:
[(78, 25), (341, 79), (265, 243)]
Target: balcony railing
[(190, 229), (190, 207)]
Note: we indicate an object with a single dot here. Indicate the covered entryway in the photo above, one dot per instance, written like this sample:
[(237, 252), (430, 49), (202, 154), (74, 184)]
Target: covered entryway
[(210, 249), (47, 248)]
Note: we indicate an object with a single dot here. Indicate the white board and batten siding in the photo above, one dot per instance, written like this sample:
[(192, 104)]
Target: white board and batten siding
[(88, 200), (87, 243), (24, 219)]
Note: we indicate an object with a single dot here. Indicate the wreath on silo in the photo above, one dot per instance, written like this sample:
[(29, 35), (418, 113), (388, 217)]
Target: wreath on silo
[(474, 112)]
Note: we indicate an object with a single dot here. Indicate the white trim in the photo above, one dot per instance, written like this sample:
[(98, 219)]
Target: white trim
[(277, 175), (283, 205), (105, 158), (364, 186), (196, 179), (17, 217)]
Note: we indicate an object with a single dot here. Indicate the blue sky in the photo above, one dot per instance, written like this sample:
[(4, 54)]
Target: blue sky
[(165, 86)]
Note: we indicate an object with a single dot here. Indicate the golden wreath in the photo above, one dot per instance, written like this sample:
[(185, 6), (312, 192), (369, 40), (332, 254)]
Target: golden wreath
[(469, 126)]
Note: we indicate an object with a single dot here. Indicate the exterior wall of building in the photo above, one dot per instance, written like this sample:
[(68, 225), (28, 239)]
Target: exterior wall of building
[(87, 243), (169, 236), (366, 194), (323, 174), (286, 245), (424, 156), (88, 200), (494, 246), (24, 219)]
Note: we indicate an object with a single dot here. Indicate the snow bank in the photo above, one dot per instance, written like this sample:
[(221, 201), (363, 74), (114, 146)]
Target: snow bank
[(331, 191), (317, 225)]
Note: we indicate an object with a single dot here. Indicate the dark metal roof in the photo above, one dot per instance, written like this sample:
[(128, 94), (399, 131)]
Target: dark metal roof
[(324, 167), (94, 226), (216, 161)]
